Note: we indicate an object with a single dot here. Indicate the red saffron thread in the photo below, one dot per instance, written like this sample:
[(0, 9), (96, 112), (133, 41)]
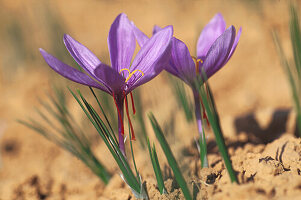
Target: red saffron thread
[(127, 113), (204, 114), (119, 114), (133, 104)]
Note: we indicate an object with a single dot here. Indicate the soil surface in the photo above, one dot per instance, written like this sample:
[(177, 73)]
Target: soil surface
[(251, 92)]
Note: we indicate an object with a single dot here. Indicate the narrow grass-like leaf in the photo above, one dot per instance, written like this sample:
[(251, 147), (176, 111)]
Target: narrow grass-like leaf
[(209, 104), (293, 71), (170, 157), (108, 139), (142, 137), (296, 38), (60, 127), (296, 43), (288, 69), (132, 152), (113, 147), (156, 167), (195, 190), (134, 182), (103, 113), (108, 107), (203, 148), (182, 98), (199, 115)]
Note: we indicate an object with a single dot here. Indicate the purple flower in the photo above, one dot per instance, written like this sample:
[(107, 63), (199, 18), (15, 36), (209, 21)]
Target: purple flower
[(215, 47), (120, 79)]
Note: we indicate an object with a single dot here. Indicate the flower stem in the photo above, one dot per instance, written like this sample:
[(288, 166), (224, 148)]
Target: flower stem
[(198, 116), (119, 104)]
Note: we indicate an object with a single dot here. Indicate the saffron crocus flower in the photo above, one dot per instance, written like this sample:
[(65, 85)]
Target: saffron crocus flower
[(120, 79), (215, 46)]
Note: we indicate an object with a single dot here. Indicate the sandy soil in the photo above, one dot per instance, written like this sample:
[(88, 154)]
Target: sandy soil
[(251, 92)]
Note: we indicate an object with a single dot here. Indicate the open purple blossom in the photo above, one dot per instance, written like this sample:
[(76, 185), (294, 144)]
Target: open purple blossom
[(215, 46), (120, 79)]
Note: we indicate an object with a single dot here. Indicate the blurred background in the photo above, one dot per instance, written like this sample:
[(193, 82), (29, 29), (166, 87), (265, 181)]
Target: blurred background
[(252, 80)]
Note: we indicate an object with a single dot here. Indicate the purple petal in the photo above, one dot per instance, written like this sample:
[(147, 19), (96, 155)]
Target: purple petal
[(110, 77), (235, 44), (219, 52), (81, 54), (121, 42), (156, 29), (140, 36), (152, 57), (171, 69), (69, 72), (181, 61), (210, 33)]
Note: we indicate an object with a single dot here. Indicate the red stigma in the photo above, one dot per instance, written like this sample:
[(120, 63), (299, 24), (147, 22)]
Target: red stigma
[(205, 117), (204, 114), (133, 104)]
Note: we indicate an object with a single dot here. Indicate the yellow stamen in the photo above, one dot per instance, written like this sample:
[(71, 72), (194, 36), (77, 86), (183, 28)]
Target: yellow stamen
[(131, 73), (197, 63), (124, 69)]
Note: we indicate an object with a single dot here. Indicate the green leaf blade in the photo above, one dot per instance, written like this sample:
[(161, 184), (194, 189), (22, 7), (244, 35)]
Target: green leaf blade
[(170, 157)]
